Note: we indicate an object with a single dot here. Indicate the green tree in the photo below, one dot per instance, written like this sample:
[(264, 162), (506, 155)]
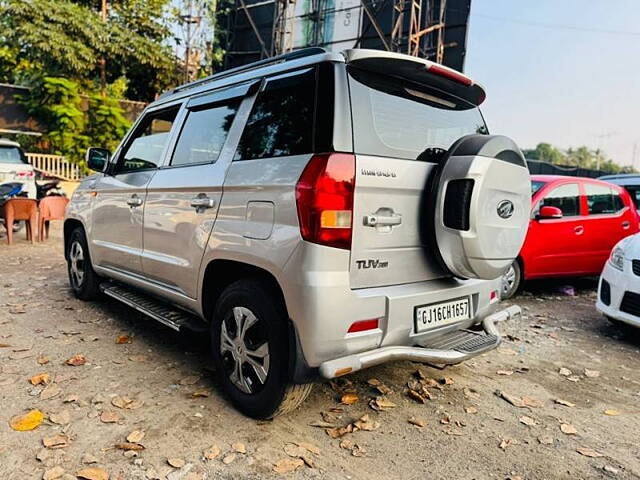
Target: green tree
[(582, 157)]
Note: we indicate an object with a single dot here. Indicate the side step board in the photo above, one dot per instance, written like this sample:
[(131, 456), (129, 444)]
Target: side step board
[(166, 314)]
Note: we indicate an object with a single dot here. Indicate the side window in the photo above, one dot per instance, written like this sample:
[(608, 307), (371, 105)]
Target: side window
[(204, 133), (566, 198), (635, 195), (602, 199), (144, 149), (281, 122)]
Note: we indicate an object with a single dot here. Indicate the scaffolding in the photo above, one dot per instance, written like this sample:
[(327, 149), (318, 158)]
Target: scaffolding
[(258, 29)]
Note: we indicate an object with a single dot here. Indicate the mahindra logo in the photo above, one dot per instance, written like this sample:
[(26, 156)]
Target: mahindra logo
[(505, 209)]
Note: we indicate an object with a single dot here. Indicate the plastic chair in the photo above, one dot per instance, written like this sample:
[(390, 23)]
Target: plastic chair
[(17, 209), (51, 208)]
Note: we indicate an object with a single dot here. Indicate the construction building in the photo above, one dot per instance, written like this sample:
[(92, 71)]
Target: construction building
[(431, 29)]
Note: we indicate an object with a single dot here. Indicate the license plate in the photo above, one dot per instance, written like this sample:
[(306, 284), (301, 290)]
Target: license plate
[(438, 314)]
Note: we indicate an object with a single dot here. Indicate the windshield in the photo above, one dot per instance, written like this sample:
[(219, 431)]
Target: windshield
[(535, 186), (392, 118), (11, 155)]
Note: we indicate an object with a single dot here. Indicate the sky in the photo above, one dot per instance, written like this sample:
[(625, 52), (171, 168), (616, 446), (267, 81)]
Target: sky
[(565, 72)]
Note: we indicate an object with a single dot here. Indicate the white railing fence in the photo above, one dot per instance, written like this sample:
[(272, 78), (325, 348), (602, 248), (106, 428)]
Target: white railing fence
[(55, 166)]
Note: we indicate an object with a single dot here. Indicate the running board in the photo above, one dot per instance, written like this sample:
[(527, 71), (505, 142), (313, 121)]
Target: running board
[(164, 313)]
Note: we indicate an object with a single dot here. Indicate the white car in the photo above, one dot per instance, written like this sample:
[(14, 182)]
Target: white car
[(15, 168), (619, 285)]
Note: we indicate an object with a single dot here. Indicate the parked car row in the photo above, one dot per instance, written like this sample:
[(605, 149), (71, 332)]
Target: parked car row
[(574, 224)]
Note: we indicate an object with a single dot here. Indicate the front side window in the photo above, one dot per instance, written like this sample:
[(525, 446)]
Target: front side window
[(203, 134), (144, 149), (281, 121), (11, 155), (602, 199), (566, 198)]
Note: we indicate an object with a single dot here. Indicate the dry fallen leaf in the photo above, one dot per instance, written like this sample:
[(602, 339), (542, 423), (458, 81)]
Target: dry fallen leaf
[(76, 360), (381, 403), (309, 447), (109, 416), (51, 391), (507, 442), (28, 421), (136, 436), (176, 462), (43, 360), (61, 418), (229, 458), (515, 401), (56, 441), (417, 422), (41, 378), (568, 429), (566, 403), (505, 372), (128, 446), (472, 410), (545, 439), (239, 447), (589, 452), (349, 399), (339, 431), (591, 373), (416, 396), (287, 465), (527, 421), (201, 394), (122, 339), (211, 452), (446, 381), (53, 473), (565, 372), (126, 402), (532, 402), (611, 412), (365, 423), (93, 473)]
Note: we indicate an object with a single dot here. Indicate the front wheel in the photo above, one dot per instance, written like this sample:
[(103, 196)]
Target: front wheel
[(511, 280), (250, 351), (83, 279)]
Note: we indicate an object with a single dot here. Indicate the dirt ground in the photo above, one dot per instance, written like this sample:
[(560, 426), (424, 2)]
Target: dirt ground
[(162, 381)]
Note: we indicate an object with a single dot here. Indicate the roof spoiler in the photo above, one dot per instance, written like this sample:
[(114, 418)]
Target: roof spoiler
[(417, 70)]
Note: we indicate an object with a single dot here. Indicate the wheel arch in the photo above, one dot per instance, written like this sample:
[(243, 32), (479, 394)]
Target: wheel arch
[(70, 224)]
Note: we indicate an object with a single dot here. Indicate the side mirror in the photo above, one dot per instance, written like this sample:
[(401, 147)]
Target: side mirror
[(549, 212), (97, 158)]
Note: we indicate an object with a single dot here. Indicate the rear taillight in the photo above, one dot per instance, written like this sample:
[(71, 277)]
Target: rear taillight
[(324, 196), (29, 174)]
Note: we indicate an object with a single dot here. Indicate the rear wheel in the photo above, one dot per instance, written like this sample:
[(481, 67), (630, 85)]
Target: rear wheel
[(511, 280), (82, 278), (250, 351)]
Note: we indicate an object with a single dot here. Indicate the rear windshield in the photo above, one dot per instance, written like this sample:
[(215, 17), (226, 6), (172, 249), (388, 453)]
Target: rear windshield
[(392, 118), (535, 186), (11, 155)]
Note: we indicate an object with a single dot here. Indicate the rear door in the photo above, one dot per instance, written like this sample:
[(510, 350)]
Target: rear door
[(400, 132), (184, 196), (609, 220)]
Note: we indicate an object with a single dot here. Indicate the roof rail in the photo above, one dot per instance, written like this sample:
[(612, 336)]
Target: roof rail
[(285, 57)]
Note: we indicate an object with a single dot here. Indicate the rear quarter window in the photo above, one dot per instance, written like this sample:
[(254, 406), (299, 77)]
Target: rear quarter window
[(392, 118)]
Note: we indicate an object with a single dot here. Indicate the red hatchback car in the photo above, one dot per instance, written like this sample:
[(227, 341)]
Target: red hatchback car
[(575, 222)]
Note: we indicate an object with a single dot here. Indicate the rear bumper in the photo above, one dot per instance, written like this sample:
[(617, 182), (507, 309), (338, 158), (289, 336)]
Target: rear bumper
[(456, 353)]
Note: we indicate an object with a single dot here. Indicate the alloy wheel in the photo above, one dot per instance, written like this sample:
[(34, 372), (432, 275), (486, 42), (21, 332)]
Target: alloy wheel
[(76, 264), (508, 281), (244, 349)]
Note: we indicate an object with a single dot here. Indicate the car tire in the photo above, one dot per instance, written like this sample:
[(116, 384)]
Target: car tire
[(250, 350), (84, 281), (511, 281)]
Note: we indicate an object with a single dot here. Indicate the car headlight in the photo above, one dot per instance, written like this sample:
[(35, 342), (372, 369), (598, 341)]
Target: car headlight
[(617, 257)]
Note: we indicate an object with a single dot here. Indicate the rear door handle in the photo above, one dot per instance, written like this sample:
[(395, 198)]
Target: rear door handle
[(134, 201), (202, 202), (626, 225), (579, 230)]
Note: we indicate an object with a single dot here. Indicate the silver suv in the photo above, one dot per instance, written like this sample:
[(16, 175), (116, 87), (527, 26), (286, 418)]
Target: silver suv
[(317, 213)]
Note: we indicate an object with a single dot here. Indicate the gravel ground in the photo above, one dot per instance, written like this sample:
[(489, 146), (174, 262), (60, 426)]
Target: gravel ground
[(573, 377)]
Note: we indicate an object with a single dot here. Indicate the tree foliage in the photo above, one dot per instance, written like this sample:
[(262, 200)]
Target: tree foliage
[(66, 38), (582, 157)]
